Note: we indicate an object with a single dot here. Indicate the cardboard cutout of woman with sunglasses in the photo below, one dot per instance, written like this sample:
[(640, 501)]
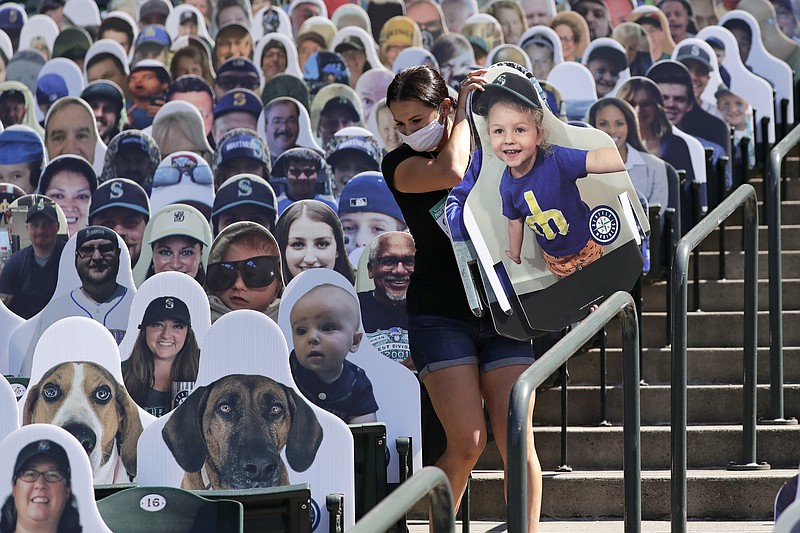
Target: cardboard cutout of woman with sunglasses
[(165, 351), (244, 271)]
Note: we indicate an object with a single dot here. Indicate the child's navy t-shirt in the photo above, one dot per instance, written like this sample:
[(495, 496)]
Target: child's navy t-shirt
[(548, 200)]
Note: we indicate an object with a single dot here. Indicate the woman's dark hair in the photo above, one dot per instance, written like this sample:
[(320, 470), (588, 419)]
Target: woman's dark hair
[(318, 212), (633, 138), (139, 374), (420, 82), (70, 521), (661, 125)]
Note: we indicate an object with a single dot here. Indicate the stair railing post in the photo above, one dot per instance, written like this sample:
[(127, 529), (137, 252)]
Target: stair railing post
[(773, 198), (679, 297)]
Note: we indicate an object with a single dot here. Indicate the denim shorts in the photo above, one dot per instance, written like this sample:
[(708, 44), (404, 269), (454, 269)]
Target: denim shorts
[(438, 342)]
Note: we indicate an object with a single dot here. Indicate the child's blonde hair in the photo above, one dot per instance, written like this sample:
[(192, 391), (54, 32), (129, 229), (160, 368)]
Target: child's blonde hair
[(536, 113)]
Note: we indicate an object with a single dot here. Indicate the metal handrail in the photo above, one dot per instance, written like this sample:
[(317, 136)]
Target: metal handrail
[(430, 481), (776, 157), (519, 415), (745, 196)]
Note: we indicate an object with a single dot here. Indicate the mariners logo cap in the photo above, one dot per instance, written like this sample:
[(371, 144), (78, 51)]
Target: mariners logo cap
[(91, 233), (119, 192), (44, 206), (245, 189), (166, 308), (241, 142), (238, 100), (47, 448)]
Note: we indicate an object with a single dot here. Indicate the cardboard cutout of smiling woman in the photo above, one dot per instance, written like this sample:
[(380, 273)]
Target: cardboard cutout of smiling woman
[(246, 425), (551, 210), (46, 483), (76, 383)]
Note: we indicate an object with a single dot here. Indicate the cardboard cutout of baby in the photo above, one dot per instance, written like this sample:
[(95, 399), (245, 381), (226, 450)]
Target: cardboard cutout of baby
[(49, 460), (246, 425), (76, 383), (338, 370), (94, 280), (552, 211)]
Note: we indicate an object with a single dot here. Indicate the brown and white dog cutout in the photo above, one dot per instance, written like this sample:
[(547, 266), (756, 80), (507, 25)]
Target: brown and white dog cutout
[(230, 434), (86, 400), (76, 383)]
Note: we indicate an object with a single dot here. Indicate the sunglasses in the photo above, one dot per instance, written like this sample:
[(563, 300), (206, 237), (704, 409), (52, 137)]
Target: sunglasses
[(228, 83), (165, 176), (308, 172), (257, 272), (88, 250)]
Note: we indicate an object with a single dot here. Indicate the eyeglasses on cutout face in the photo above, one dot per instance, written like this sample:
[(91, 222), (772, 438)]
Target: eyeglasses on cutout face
[(257, 272), (87, 250), (31, 475), (391, 261)]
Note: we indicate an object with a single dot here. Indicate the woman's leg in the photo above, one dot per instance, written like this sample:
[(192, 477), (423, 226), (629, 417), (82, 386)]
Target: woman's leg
[(496, 387), (456, 397)]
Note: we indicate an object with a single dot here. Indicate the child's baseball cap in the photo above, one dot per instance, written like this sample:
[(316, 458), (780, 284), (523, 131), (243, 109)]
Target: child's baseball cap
[(506, 84)]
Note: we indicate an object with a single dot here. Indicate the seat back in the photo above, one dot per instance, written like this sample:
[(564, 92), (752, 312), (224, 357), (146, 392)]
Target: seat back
[(285, 509), (168, 509)]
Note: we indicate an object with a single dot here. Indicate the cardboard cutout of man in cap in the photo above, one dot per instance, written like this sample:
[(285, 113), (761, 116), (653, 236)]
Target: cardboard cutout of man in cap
[(103, 291), (29, 278), (567, 238), (148, 83)]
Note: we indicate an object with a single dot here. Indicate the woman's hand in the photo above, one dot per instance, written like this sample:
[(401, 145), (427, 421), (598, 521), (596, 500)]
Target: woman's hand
[(473, 81)]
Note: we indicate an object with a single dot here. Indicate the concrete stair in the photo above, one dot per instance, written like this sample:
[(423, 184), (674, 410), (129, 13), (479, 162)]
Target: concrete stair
[(594, 488)]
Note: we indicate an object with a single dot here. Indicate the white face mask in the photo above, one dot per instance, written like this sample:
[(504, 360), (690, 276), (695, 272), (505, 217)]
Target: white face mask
[(425, 139)]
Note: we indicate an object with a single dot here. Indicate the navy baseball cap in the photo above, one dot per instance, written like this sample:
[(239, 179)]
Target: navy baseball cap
[(45, 207), (238, 100), (340, 147), (47, 448), (155, 33), (239, 65), (716, 43), (91, 233), (119, 192), (104, 89), (241, 142), (245, 189), (166, 308), (50, 88), (506, 83), (368, 193)]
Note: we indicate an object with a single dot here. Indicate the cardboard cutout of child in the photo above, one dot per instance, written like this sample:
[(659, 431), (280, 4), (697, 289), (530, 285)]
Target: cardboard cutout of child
[(569, 187)]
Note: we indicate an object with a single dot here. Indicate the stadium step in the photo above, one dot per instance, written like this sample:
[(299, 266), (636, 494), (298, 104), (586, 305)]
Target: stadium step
[(722, 295)]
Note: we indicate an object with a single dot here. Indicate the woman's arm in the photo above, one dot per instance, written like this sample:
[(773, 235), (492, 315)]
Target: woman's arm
[(419, 174), (604, 160)]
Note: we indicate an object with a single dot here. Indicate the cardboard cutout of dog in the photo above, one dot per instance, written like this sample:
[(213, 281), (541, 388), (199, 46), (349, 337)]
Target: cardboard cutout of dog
[(244, 362), (76, 383), (557, 245), (395, 388), (67, 301), (42, 442), (174, 284)]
